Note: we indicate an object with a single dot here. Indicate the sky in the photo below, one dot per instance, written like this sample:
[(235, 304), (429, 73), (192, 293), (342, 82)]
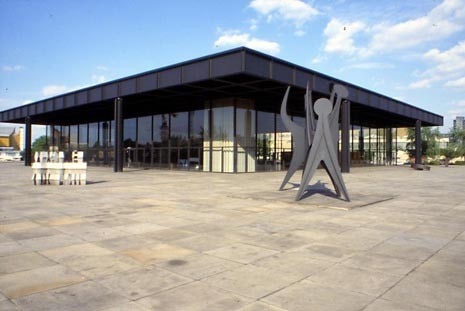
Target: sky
[(410, 50)]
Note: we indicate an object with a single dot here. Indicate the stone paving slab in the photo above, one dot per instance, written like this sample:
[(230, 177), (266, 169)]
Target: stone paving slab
[(169, 240), (17, 284), (194, 297), (198, 266), (22, 262), (305, 295), (87, 295), (142, 283), (428, 293)]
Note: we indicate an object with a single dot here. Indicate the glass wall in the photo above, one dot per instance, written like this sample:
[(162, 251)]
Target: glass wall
[(225, 135)]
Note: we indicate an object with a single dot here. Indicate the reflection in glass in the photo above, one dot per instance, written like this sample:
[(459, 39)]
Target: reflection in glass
[(129, 140), (143, 152), (196, 133), (222, 135), (265, 141), (160, 140), (179, 135), (245, 136), (73, 137), (83, 137), (93, 155)]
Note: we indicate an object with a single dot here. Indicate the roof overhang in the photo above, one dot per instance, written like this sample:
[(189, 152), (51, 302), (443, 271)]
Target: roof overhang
[(240, 72)]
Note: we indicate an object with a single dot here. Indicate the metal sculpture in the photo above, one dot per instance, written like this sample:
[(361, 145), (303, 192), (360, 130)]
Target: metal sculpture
[(316, 142)]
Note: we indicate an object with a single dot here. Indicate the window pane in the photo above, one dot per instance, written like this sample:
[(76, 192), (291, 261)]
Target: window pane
[(223, 135), (179, 129), (196, 132), (160, 130), (265, 141), (245, 136), (73, 137), (83, 136), (93, 135), (130, 131), (144, 131), (64, 137)]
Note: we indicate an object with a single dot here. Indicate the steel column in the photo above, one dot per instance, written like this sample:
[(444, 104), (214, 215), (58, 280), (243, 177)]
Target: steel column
[(418, 142), (119, 152), (27, 143), (345, 139)]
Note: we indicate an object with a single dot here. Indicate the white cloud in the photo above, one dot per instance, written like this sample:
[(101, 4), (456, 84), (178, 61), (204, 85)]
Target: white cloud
[(51, 90), (369, 66), (340, 36), (235, 39), (447, 66), (299, 33), (458, 109), (459, 83), (421, 84), (295, 11), (253, 24), (383, 37), (102, 68), (10, 68), (97, 79), (319, 59), (445, 19)]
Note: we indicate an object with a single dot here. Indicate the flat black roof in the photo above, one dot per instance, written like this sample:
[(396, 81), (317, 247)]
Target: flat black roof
[(239, 72)]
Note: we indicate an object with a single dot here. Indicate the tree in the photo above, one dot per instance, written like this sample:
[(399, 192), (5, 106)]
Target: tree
[(452, 151), (457, 138), (40, 144), (429, 142)]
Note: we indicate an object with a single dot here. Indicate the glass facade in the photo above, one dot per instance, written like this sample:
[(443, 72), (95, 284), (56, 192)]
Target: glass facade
[(229, 135)]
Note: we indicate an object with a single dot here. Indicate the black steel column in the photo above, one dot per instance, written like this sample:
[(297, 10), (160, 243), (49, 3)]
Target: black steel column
[(418, 142), (27, 143), (119, 152), (345, 139)]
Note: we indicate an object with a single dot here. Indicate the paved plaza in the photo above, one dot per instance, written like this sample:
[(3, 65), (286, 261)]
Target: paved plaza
[(173, 240)]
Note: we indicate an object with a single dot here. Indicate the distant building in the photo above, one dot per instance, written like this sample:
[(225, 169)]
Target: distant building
[(459, 123), (12, 138)]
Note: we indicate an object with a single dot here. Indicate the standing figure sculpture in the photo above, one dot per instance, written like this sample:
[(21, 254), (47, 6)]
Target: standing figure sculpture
[(316, 143)]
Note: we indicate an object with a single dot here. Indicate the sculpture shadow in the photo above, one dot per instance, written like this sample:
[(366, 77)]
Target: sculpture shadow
[(93, 182), (320, 188)]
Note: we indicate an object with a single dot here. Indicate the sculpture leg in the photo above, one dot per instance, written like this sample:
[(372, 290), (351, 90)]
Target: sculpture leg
[(336, 177), (298, 157), (311, 165)]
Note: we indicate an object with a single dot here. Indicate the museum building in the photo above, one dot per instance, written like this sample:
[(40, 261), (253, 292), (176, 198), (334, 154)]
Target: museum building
[(218, 113)]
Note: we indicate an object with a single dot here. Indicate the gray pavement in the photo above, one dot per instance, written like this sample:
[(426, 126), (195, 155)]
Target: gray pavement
[(171, 240)]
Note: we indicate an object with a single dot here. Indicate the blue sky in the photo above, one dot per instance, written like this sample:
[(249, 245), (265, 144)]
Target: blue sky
[(410, 50)]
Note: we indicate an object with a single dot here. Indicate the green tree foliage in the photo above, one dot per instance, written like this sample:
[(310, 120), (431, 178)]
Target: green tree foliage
[(452, 151), (40, 144), (457, 138), (429, 142)]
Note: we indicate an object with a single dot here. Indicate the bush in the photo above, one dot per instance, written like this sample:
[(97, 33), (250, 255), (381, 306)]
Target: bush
[(433, 162), (459, 162)]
